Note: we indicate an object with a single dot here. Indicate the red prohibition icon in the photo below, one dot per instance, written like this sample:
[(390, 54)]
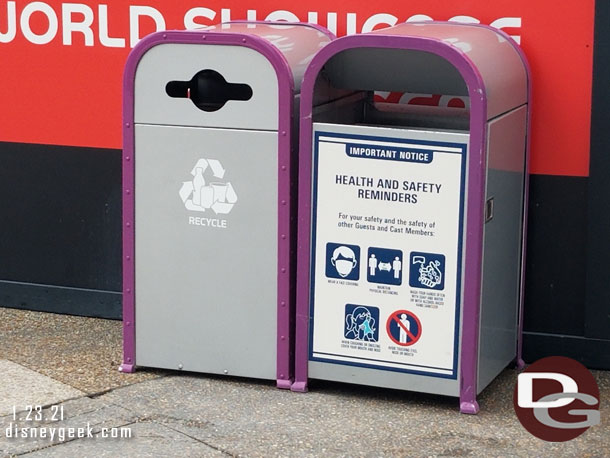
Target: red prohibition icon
[(404, 328)]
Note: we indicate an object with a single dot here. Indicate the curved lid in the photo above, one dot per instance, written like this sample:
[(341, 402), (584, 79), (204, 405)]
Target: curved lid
[(298, 42), (268, 57), (496, 57)]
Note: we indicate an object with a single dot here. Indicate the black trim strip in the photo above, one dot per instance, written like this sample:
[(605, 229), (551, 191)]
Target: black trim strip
[(593, 353), (56, 299)]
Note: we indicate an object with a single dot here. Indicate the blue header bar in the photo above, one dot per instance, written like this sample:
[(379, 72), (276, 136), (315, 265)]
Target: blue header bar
[(388, 153)]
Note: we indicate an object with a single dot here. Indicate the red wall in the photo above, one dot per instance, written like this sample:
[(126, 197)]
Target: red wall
[(62, 62)]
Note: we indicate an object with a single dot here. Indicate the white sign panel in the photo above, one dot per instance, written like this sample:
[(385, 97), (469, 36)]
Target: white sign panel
[(386, 248)]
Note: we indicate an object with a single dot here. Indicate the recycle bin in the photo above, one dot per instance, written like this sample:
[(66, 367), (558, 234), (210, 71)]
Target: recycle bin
[(412, 217), (208, 215)]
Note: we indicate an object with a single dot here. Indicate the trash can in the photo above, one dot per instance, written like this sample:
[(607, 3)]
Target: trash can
[(208, 214), (412, 218)]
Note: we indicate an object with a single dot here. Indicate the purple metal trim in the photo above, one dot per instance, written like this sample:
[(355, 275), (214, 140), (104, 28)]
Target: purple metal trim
[(319, 28), (474, 213), (285, 264)]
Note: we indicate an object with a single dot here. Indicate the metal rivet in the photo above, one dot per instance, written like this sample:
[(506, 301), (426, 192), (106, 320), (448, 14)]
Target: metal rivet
[(283, 303), (128, 257), (281, 375), (283, 132), (128, 224), (283, 337), (283, 270), (243, 40), (283, 236), (283, 202), (127, 192), (128, 158), (129, 359), (283, 167), (129, 290), (225, 372), (203, 37), (164, 36), (127, 124), (128, 323), (180, 366)]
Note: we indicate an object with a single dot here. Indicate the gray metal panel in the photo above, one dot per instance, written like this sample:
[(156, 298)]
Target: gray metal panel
[(384, 379), (180, 62), (502, 245), (206, 297), (394, 71)]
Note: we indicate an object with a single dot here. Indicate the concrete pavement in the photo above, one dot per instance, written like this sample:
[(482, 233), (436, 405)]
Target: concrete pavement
[(181, 414)]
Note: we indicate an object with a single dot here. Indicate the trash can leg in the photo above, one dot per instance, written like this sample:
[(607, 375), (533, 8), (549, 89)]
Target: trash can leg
[(301, 355), (469, 407), (299, 387), (468, 392), (468, 379), (127, 368), (129, 343), (284, 384)]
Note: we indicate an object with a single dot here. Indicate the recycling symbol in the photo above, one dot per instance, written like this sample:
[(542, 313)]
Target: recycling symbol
[(199, 195)]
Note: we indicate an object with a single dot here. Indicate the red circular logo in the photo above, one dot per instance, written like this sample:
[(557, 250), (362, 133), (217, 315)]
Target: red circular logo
[(403, 328), (557, 399)]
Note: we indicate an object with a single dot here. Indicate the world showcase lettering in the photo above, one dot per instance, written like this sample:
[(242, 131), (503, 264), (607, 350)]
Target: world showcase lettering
[(388, 189), (83, 24)]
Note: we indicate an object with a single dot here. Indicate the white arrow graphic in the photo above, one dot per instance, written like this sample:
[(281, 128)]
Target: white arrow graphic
[(186, 190), (191, 206), (221, 208), (217, 169), (231, 195)]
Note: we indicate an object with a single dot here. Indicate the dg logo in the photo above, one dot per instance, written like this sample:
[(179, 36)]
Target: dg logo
[(557, 399)]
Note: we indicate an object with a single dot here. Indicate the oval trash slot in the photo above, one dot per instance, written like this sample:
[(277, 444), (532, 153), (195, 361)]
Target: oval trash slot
[(208, 90)]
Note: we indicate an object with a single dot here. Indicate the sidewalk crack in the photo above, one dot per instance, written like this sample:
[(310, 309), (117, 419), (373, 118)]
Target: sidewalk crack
[(218, 449), (110, 390)]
